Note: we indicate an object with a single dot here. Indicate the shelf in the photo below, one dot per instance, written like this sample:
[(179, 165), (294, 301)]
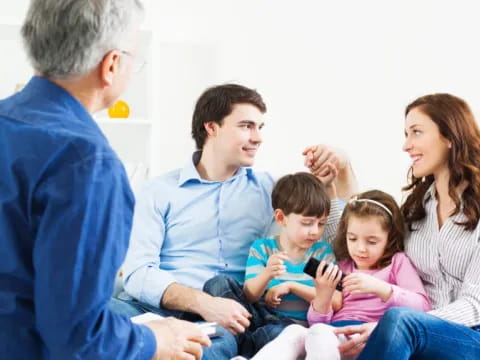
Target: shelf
[(131, 137), (121, 121)]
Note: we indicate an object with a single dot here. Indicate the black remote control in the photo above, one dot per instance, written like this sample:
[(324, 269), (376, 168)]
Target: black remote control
[(311, 269)]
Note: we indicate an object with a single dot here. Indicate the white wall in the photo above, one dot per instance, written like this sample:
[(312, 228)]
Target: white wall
[(331, 72), (339, 73)]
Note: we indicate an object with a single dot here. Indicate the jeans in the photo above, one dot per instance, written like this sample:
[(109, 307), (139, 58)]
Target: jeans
[(404, 333), (223, 347), (265, 325), (342, 323)]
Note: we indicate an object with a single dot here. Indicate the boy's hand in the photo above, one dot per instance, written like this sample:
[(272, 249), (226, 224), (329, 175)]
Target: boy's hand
[(274, 295), (275, 266), (359, 283)]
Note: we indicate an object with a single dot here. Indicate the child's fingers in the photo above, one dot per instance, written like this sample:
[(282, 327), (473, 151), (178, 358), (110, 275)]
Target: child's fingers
[(338, 277), (329, 273), (319, 272)]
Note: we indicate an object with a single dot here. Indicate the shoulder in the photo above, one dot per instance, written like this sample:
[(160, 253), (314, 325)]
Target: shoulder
[(400, 259), (322, 246), (168, 179), (265, 180), (263, 243), (160, 189)]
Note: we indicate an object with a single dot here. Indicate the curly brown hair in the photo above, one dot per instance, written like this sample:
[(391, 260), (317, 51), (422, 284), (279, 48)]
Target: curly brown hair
[(457, 124), (392, 224)]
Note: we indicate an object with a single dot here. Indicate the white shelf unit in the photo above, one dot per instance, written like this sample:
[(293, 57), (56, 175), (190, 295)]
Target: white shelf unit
[(131, 137)]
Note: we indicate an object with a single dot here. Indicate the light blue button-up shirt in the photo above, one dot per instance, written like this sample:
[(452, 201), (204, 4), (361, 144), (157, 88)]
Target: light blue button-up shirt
[(187, 229)]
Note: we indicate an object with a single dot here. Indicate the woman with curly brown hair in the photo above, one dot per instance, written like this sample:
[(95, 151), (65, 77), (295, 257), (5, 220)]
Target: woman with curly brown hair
[(442, 211)]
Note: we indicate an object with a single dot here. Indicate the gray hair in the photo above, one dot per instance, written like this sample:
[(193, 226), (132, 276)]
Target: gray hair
[(65, 38)]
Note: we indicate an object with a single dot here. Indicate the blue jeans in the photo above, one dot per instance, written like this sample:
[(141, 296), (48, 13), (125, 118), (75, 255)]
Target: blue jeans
[(223, 347), (342, 323), (265, 325), (404, 333)]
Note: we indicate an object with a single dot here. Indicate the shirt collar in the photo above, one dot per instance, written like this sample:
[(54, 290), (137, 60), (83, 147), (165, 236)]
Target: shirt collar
[(54, 93), (190, 172), (431, 193)]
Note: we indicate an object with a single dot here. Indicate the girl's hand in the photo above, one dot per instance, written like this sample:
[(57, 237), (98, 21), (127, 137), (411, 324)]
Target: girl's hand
[(359, 283), (325, 286), (274, 295), (275, 266), (329, 279)]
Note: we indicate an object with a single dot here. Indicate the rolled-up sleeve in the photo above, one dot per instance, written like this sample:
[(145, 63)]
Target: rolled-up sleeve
[(143, 278)]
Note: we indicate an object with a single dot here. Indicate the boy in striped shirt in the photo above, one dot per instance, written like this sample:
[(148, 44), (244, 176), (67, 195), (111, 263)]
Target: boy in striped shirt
[(275, 265)]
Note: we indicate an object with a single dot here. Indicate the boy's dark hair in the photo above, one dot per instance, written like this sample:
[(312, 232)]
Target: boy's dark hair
[(393, 224), (301, 193), (216, 103)]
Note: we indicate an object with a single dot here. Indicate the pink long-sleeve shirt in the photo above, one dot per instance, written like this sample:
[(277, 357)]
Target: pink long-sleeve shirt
[(407, 290)]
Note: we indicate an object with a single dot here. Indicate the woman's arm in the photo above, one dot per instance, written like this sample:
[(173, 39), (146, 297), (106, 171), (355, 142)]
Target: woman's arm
[(465, 309)]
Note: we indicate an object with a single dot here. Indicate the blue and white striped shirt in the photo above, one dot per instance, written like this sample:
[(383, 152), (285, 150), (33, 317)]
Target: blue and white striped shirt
[(292, 306)]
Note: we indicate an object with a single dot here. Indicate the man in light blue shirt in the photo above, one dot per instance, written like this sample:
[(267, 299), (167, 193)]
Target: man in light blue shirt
[(197, 222)]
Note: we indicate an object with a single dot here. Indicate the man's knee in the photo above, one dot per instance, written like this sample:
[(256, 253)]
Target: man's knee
[(221, 285), (124, 307), (223, 347)]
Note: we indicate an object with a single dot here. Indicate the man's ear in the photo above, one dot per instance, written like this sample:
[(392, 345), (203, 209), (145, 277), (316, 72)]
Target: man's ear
[(211, 128), (279, 216), (109, 67)]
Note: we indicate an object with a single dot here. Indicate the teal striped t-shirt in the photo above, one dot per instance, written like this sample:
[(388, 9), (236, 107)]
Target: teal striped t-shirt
[(291, 306)]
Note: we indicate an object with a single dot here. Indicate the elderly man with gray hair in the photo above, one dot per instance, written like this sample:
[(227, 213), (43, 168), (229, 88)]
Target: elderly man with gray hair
[(65, 202)]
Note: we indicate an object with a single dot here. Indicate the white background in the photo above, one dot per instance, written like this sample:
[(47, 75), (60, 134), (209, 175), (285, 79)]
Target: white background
[(339, 73)]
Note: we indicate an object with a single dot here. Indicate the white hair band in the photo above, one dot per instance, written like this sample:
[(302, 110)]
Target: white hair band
[(375, 202)]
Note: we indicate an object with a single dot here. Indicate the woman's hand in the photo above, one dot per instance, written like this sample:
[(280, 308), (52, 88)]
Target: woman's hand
[(357, 338)]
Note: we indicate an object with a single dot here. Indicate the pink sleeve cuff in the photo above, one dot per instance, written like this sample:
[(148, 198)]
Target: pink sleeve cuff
[(315, 317)]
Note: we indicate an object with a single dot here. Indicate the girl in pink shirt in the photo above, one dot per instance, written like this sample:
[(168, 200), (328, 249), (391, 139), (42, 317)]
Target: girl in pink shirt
[(369, 247)]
